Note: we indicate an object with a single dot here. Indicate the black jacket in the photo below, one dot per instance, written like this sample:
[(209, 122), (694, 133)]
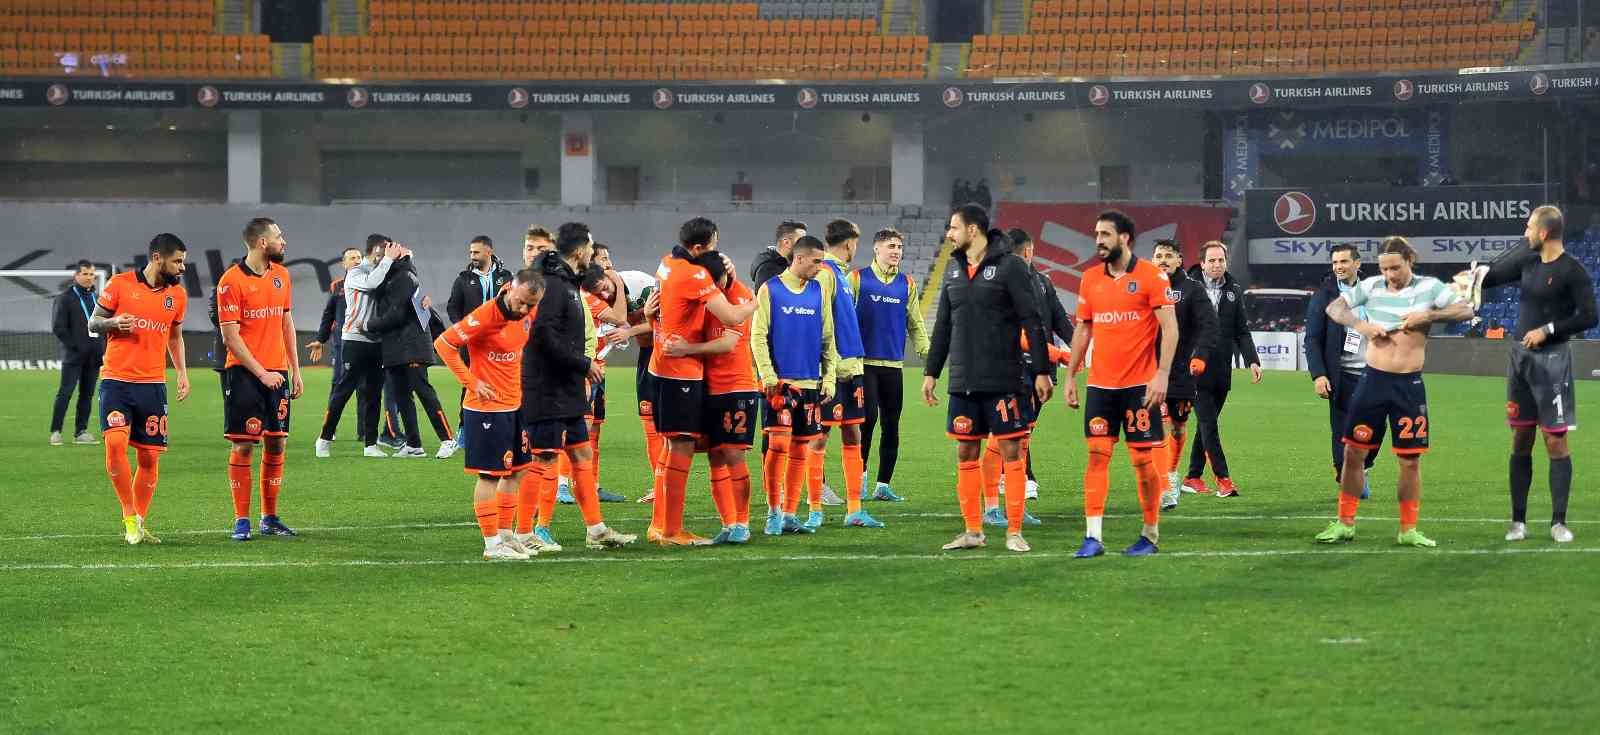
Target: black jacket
[(980, 318), (554, 367), (394, 319), (466, 293), (766, 265), (71, 326), (1197, 331), (331, 325), (1232, 335), (1324, 336), (1052, 314)]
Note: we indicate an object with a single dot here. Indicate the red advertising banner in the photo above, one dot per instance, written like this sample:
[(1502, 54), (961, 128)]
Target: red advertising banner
[(1064, 233)]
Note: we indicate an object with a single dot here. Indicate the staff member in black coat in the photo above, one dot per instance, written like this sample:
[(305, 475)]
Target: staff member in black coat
[(1057, 326), (402, 322), (1336, 356), (82, 352), (986, 300), (1233, 337), (481, 281), (1197, 334)]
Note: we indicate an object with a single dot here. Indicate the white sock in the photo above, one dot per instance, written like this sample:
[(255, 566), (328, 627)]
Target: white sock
[(139, 520), (1152, 532), (505, 534), (489, 542), (597, 529), (1092, 526)]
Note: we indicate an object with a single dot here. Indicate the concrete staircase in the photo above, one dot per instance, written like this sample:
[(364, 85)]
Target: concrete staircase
[(949, 60), (1010, 17), (291, 61), (902, 17), (237, 17), (344, 17)]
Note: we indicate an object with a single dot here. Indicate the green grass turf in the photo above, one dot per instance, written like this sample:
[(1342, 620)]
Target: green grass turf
[(378, 617)]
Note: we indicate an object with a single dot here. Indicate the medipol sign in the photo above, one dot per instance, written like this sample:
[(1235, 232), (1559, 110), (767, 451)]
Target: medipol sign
[(1446, 224)]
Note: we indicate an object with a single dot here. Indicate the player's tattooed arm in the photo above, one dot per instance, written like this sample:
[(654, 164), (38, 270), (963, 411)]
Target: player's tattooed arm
[(104, 321)]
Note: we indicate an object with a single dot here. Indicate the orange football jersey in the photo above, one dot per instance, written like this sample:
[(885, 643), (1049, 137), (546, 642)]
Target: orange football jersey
[(685, 289), (1122, 310), (140, 356), (258, 303), (731, 372)]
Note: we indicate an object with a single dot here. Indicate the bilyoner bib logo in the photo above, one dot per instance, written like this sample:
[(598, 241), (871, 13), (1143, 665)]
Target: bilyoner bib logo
[(1295, 213)]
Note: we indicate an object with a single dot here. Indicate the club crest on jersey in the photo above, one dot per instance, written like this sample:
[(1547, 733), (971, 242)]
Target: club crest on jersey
[(116, 420), (838, 412), (1098, 426), (1174, 295), (252, 425), (961, 424), (1362, 433), (277, 282), (1133, 287), (506, 459), (167, 303), (1512, 410), (785, 417), (988, 273), (1229, 295), (645, 409)]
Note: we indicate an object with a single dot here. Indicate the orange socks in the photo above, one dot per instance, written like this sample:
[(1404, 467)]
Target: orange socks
[(794, 478), (740, 475), (586, 490), (969, 493), (1347, 508), (1097, 477), (548, 482), (594, 452), (854, 467), (816, 462), (677, 486), (774, 466), (239, 482), (1160, 456), (1149, 481), (528, 497), (121, 476), (658, 509), (488, 517), (563, 466), (652, 442), (1408, 514), (722, 494), (1017, 499), (271, 481), (1176, 455), (993, 467), (144, 482), (506, 506)]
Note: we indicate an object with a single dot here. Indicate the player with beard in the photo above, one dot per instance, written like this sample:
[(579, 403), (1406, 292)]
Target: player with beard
[(1124, 306), (986, 300), (141, 313), (254, 298), (1557, 304), (1197, 333)]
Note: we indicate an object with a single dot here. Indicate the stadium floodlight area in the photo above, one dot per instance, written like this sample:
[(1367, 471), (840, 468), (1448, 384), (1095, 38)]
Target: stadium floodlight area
[(22, 294)]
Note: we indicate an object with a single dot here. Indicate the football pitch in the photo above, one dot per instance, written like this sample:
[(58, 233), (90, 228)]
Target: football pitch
[(380, 616)]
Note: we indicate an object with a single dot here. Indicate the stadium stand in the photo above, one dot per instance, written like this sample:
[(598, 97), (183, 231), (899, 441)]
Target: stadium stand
[(1180, 37), (422, 39), (167, 39), (1500, 305)]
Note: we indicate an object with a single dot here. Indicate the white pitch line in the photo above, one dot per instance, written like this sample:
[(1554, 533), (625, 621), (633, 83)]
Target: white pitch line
[(1061, 516), (691, 557)]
